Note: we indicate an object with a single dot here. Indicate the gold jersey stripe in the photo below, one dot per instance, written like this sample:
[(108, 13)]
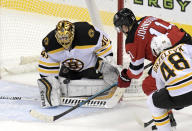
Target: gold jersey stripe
[(84, 47), (57, 50), (162, 123), (48, 64), (180, 78), (102, 53), (102, 48), (179, 86)]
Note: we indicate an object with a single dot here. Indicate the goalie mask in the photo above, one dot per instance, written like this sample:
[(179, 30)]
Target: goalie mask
[(65, 32), (159, 43)]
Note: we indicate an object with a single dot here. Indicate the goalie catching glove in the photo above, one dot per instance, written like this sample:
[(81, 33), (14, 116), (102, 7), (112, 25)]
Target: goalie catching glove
[(123, 80), (110, 72)]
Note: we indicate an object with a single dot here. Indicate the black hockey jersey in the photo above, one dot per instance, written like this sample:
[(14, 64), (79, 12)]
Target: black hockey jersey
[(88, 44)]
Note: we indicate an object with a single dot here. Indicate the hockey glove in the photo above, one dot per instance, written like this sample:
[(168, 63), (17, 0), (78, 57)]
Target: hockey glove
[(123, 80), (110, 72), (69, 74)]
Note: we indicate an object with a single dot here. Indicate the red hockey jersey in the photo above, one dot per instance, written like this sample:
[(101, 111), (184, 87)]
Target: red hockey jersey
[(139, 39)]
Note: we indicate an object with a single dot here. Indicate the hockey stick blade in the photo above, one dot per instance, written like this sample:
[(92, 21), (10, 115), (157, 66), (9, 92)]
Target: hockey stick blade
[(138, 120), (142, 123), (146, 124), (41, 116), (46, 118)]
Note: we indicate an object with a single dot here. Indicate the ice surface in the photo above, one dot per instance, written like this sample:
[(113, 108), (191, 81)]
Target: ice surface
[(14, 115)]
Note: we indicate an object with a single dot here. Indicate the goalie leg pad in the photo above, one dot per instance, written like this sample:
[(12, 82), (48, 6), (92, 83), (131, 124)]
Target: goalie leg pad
[(50, 93), (83, 87)]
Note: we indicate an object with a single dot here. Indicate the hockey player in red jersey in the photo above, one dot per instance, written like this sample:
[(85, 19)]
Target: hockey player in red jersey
[(139, 34), (138, 39)]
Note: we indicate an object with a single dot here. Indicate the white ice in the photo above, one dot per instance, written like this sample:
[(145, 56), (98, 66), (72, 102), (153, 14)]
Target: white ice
[(14, 115)]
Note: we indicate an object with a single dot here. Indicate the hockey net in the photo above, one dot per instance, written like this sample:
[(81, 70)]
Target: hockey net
[(24, 23)]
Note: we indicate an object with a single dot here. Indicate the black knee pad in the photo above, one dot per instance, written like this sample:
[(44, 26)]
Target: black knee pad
[(162, 99)]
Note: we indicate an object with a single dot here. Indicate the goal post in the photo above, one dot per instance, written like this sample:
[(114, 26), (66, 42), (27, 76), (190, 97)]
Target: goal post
[(120, 39)]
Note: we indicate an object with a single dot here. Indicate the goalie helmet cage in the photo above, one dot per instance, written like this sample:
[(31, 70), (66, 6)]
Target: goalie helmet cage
[(25, 23)]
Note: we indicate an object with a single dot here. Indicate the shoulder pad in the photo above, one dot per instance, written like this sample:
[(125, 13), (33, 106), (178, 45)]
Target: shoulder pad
[(50, 43), (85, 34)]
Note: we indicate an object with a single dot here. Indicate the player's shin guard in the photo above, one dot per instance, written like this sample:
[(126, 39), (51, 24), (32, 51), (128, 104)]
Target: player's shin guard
[(49, 91), (160, 116)]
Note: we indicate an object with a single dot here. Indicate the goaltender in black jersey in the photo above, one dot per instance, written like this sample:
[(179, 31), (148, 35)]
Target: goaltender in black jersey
[(77, 47), (73, 51)]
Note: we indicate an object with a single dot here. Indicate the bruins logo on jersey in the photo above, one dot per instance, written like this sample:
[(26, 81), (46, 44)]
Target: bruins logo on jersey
[(46, 41), (91, 33), (73, 64)]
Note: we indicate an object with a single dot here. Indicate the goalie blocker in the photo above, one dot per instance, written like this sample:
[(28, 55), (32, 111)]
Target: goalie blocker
[(53, 90)]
